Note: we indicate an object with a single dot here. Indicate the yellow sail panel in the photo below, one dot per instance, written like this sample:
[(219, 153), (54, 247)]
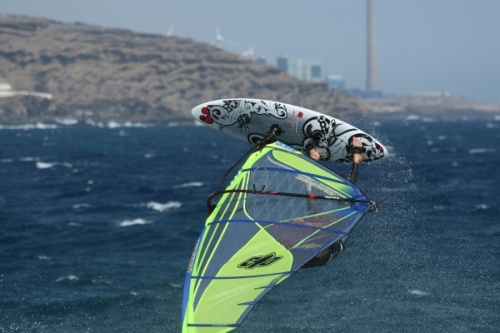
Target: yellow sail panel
[(223, 298)]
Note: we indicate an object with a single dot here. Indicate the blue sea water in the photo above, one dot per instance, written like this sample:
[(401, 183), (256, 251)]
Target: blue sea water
[(97, 226)]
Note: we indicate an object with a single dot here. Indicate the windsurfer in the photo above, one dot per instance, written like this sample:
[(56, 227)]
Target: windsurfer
[(356, 149)]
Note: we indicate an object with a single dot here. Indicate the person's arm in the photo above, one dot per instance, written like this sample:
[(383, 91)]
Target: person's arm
[(271, 136), (356, 159)]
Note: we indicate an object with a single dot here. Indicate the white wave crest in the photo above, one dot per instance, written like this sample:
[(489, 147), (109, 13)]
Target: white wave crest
[(28, 159), (28, 126), (418, 292), (128, 223), (66, 121), (164, 207), (47, 165), (80, 206), (44, 165), (481, 150), (68, 278), (114, 124), (190, 184)]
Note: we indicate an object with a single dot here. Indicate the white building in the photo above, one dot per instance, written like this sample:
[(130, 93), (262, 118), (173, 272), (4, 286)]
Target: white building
[(7, 91), (4, 85)]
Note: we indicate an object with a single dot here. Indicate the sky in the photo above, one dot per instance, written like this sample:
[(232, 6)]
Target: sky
[(448, 46)]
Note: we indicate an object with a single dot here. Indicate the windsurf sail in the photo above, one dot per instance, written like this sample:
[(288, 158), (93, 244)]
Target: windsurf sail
[(280, 211)]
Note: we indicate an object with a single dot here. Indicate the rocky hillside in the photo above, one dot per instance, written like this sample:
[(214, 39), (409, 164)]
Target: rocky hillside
[(98, 74)]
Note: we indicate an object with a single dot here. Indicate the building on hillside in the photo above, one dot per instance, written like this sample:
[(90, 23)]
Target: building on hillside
[(336, 81), (7, 91), (308, 69), (4, 84)]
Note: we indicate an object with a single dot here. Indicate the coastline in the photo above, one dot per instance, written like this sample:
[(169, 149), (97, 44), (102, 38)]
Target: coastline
[(32, 112), (426, 106)]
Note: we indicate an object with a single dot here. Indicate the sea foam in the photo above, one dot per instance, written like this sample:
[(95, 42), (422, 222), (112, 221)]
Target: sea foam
[(164, 207), (128, 223), (44, 165), (190, 184), (481, 150)]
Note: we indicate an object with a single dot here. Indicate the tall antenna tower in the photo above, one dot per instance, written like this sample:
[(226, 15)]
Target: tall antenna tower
[(371, 70)]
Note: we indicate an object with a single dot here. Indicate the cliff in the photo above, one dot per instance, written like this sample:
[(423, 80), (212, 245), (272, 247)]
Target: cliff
[(98, 74)]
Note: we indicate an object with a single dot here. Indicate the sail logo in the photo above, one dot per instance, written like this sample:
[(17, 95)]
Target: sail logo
[(260, 261)]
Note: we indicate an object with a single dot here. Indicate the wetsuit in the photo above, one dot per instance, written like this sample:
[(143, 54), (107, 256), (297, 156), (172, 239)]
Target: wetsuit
[(327, 254)]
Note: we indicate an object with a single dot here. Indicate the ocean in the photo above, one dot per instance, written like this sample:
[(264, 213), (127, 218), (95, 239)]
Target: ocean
[(98, 224)]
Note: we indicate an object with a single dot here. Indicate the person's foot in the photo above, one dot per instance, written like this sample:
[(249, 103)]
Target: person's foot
[(372, 206), (342, 243)]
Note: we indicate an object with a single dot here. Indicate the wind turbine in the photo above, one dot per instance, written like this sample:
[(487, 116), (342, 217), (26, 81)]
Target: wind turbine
[(218, 37), (170, 31), (248, 53), (219, 40)]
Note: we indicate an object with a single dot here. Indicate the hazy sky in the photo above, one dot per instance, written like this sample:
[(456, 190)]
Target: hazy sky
[(423, 45)]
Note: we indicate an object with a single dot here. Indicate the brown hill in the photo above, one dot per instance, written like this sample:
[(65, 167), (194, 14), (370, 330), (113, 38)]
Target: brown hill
[(103, 74)]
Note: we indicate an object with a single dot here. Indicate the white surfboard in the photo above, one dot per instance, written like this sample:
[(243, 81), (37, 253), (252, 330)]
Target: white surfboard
[(250, 119)]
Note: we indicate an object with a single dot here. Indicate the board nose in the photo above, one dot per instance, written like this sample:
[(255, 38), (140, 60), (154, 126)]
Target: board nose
[(201, 113), (382, 150), (196, 112)]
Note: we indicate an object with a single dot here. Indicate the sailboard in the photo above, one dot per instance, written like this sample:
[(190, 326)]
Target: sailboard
[(280, 210), (249, 120)]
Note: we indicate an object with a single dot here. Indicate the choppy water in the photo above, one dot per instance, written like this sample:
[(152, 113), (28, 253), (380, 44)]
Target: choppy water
[(97, 226)]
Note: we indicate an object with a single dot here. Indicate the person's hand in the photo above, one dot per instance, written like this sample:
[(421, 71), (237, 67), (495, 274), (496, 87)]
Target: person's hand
[(357, 157), (314, 155)]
